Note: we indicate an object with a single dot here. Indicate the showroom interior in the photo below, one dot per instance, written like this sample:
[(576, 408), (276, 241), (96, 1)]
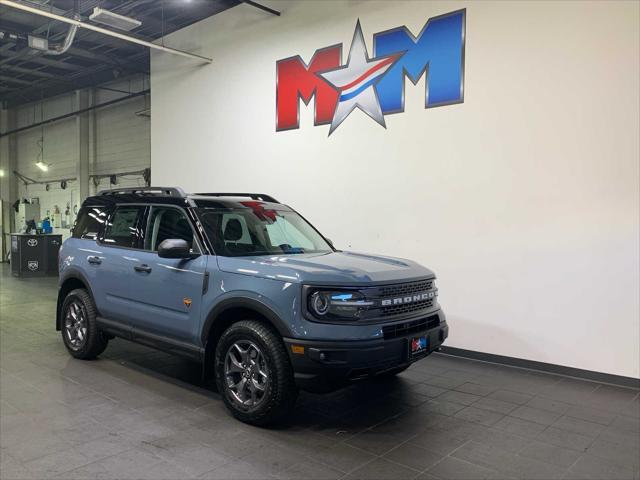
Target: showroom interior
[(493, 144)]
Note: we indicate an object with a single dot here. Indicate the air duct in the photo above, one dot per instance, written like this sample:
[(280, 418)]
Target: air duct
[(66, 44)]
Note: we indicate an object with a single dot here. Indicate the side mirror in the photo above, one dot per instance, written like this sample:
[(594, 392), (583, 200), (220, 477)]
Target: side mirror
[(174, 248), (330, 242)]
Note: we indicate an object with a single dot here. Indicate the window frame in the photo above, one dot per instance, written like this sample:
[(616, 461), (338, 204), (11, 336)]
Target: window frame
[(106, 209), (141, 218), (147, 221)]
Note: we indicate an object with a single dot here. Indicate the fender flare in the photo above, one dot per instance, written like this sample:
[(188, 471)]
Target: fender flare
[(242, 302), (69, 274)]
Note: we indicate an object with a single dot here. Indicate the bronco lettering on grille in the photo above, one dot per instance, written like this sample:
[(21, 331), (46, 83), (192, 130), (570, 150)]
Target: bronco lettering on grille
[(408, 299)]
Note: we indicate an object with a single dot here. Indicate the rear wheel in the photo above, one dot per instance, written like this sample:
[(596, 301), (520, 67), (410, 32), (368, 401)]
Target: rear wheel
[(254, 374), (80, 332)]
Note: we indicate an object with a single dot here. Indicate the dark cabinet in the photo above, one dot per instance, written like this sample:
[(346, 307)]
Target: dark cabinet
[(33, 255)]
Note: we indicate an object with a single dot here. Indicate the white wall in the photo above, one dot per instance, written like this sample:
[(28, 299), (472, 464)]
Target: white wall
[(523, 199), (120, 142)]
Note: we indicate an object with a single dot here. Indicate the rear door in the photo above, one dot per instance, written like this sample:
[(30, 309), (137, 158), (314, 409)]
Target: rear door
[(168, 291), (121, 244)]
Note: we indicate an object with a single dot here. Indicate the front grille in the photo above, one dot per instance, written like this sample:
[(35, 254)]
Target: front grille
[(408, 328), (407, 308), (406, 288)]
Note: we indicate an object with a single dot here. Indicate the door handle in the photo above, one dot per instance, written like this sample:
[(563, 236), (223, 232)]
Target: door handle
[(142, 268), (93, 260)]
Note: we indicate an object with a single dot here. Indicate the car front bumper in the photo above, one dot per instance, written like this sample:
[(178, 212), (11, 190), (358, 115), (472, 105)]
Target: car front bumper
[(323, 366)]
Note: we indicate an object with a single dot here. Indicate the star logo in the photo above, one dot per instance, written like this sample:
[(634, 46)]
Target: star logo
[(356, 80)]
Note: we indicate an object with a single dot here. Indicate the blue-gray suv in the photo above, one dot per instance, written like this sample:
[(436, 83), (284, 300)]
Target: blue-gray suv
[(245, 286)]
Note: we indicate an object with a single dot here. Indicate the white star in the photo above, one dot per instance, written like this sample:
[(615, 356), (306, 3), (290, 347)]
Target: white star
[(356, 80)]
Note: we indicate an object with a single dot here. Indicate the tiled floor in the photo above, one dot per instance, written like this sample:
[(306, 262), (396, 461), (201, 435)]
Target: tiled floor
[(137, 413)]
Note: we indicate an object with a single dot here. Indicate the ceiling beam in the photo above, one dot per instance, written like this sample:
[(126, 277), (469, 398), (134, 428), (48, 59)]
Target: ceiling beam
[(61, 65), (88, 26), (4, 78)]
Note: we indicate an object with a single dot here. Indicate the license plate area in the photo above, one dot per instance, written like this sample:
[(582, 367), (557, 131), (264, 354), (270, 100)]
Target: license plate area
[(418, 346)]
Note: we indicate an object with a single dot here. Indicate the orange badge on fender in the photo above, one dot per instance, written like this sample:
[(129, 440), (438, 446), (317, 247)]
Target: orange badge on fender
[(187, 302)]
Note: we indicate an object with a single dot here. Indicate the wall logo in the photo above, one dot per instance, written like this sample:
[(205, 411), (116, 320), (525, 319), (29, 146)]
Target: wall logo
[(32, 265), (32, 242), (374, 85)]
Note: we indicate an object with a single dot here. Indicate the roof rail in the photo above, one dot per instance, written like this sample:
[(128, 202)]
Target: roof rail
[(171, 191), (255, 196)]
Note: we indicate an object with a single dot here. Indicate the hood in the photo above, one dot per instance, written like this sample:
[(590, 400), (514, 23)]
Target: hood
[(333, 268)]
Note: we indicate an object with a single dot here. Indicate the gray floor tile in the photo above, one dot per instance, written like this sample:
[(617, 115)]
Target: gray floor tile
[(441, 407), (576, 425), (536, 415), (375, 442), (441, 443), (310, 470), (590, 414), (595, 468), (478, 415), (343, 457), (621, 454), (475, 389), (520, 427), (456, 469), (549, 405), (511, 397), (494, 405), (413, 457), (564, 438), (544, 452), (428, 390), (382, 469), (443, 381), (459, 397), (237, 470)]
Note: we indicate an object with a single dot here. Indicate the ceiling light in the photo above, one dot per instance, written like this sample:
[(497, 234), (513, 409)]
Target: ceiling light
[(1, 173), (100, 15), (42, 166)]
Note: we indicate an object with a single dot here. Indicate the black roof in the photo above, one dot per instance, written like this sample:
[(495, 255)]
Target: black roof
[(176, 196)]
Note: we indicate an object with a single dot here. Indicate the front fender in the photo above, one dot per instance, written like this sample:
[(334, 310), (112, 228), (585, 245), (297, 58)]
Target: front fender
[(247, 300)]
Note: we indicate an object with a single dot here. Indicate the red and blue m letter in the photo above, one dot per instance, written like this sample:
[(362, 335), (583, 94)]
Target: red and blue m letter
[(437, 52), (296, 80)]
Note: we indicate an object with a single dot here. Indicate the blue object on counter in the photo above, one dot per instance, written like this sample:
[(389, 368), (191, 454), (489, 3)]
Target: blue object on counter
[(46, 226)]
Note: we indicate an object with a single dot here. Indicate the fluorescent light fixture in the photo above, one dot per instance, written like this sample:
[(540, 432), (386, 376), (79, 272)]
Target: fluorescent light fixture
[(100, 15), (42, 166)]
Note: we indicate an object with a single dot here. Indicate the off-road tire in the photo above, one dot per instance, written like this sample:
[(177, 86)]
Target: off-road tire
[(96, 341), (281, 393)]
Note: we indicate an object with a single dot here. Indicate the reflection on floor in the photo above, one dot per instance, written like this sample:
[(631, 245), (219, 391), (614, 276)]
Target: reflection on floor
[(137, 413)]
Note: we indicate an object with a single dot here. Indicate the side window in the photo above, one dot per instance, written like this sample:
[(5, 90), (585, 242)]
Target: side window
[(122, 230), (89, 222), (167, 223)]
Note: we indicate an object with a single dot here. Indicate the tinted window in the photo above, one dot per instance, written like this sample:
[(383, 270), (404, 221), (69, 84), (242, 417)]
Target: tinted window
[(167, 223), (89, 222), (122, 229)]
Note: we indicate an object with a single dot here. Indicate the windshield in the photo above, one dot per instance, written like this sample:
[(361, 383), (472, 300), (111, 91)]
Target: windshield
[(259, 231)]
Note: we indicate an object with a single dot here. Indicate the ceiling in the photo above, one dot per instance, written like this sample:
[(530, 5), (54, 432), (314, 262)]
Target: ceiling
[(28, 75)]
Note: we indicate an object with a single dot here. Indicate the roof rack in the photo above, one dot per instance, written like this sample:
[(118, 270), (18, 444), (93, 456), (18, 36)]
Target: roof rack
[(171, 191), (255, 196)]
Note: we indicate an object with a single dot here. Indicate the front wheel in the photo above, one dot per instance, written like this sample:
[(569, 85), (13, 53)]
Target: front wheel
[(254, 374), (80, 332)]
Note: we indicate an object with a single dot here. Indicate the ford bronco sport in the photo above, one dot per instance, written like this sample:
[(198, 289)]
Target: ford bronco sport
[(246, 286)]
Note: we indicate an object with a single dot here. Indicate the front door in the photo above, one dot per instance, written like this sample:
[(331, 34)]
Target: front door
[(168, 291)]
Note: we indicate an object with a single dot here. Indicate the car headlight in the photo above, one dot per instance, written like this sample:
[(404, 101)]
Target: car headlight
[(337, 304)]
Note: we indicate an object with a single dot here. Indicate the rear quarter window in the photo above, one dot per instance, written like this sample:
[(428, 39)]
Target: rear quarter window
[(89, 222)]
